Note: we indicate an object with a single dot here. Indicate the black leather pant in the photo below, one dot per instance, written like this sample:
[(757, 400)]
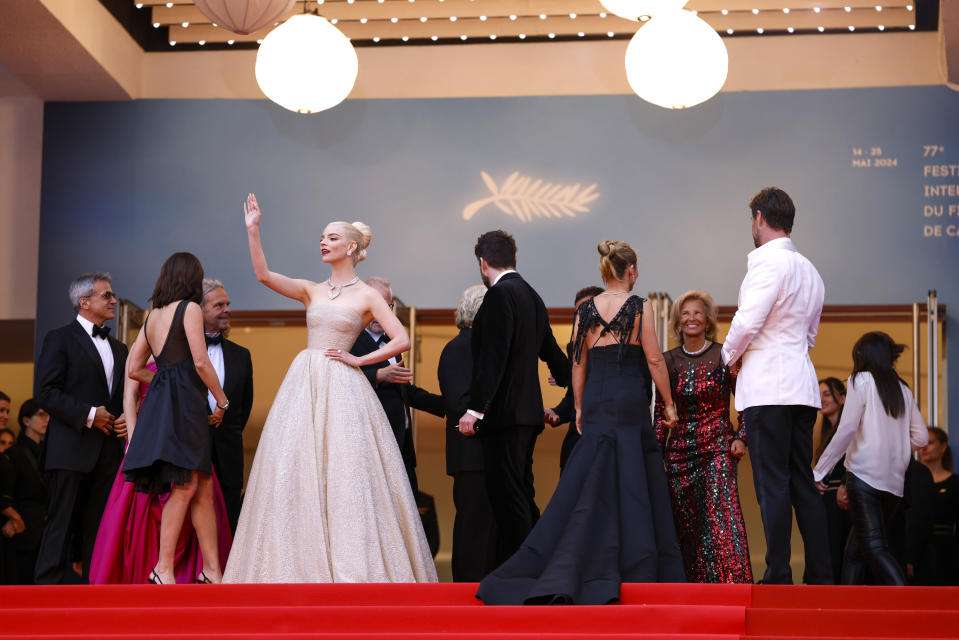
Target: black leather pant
[(868, 544)]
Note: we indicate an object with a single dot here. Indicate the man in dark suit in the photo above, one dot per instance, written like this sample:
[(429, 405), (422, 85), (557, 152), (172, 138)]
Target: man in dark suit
[(234, 368), (511, 333), (565, 411), (79, 381), (474, 535), (392, 383)]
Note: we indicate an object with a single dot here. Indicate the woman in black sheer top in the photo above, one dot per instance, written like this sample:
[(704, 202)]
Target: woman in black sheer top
[(609, 520)]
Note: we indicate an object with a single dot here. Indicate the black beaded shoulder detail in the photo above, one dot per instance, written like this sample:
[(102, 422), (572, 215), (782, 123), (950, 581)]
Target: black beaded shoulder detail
[(620, 327)]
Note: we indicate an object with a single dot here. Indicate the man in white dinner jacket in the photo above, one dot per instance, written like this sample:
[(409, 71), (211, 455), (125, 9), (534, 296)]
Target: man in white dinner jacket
[(780, 302)]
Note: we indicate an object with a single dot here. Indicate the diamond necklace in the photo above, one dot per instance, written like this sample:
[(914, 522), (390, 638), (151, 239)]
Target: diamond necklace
[(706, 345), (335, 289)]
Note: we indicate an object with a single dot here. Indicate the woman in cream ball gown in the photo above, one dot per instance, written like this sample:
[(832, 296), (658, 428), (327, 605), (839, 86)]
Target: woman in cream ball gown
[(327, 499)]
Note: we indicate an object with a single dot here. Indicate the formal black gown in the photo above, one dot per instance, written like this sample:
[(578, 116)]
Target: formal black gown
[(610, 520), (172, 437)]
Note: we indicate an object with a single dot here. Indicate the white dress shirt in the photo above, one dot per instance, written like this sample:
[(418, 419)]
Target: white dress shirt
[(376, 338), (215, 351), (106, 357), (392, 360), (877, 446), (780, 302)]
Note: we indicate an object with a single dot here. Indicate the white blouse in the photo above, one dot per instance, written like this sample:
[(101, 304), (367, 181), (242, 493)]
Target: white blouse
[(877, 446)]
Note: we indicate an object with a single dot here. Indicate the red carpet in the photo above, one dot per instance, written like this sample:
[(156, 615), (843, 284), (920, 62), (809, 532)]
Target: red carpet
[(407, 612)]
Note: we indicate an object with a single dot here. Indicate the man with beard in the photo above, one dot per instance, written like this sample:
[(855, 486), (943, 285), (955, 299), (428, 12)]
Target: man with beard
[(511, 333)]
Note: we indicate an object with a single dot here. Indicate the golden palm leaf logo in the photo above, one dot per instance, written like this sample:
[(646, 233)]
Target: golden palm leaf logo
[(523, 197)]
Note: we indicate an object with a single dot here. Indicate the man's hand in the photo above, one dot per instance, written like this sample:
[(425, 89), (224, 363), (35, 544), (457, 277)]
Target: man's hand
[(551, 380), (736, 367), (550, 417), (394, 373), (103, 420), (467, 425), (120, 426), (737, 449), (821, 487), (842, 498)]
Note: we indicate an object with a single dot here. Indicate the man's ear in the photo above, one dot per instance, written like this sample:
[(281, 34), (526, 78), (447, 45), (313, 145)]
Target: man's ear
[(483, 264)]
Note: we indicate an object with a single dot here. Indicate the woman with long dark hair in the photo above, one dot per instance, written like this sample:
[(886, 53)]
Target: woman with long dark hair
[(832, 391), (879, 428), (170, 438)]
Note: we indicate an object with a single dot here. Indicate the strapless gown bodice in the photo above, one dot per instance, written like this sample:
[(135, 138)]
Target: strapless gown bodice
[(331, 326)]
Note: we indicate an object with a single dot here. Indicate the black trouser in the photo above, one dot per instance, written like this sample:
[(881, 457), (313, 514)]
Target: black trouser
[(780, 448), (508, 462), (474, 538), (77, 500), (871, 510)]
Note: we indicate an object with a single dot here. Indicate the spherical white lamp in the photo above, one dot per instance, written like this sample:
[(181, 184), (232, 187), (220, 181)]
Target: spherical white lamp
[(641, 9), (244, 16), (676, 60), (306, 65)]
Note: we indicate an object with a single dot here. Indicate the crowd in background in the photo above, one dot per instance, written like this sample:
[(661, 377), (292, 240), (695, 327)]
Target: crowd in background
[(922, 529)]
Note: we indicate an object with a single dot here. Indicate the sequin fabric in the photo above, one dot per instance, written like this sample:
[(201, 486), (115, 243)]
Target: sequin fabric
[(700, 469), (328, 499)]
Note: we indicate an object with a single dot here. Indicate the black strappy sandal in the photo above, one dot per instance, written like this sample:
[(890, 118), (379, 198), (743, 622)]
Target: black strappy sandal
[(202, 578), (154, 577)]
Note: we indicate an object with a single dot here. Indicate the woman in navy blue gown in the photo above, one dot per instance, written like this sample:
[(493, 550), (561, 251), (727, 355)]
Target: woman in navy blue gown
[(610, 520)]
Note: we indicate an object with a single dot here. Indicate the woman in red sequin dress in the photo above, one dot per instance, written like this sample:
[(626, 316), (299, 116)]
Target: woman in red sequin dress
[(702, 452)]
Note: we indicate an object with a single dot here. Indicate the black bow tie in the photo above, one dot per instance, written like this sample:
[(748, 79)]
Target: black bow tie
[(383, 339), (100, 332), (217, 339)]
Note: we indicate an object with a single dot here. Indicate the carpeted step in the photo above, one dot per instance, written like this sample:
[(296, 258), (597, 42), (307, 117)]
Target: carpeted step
[(851, 623), (385, 620), (459, 594), (855, 597), (552, 635)]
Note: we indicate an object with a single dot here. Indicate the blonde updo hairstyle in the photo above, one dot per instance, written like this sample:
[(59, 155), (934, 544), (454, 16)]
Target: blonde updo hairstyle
[(359, 233), (709, 305), (615, 256)]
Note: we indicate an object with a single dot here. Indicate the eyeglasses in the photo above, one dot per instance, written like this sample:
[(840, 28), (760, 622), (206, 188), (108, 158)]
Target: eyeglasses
[(391, 305), (106, 295)]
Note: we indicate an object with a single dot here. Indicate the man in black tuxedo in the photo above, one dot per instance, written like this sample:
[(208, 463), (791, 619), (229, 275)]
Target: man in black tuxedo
[(393, 386), (565, 411), (79, 381), (234, 368), (511, 333), (474, 535)]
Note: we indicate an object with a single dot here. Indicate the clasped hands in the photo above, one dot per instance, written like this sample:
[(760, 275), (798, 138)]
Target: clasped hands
[(216, 418), (105, 422)]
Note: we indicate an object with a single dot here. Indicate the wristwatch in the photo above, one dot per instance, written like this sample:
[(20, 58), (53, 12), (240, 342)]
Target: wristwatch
[(224, 407)]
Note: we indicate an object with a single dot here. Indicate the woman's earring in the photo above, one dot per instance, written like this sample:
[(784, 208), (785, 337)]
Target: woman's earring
[(349, 252)]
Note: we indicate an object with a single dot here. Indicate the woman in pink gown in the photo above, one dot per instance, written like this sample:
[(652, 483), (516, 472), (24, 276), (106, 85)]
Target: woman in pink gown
[(128, 541)]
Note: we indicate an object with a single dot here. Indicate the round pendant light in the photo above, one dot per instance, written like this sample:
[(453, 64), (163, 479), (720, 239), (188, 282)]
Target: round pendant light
[(244, 16), (306, 65), (641, 9), (676, 60)]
